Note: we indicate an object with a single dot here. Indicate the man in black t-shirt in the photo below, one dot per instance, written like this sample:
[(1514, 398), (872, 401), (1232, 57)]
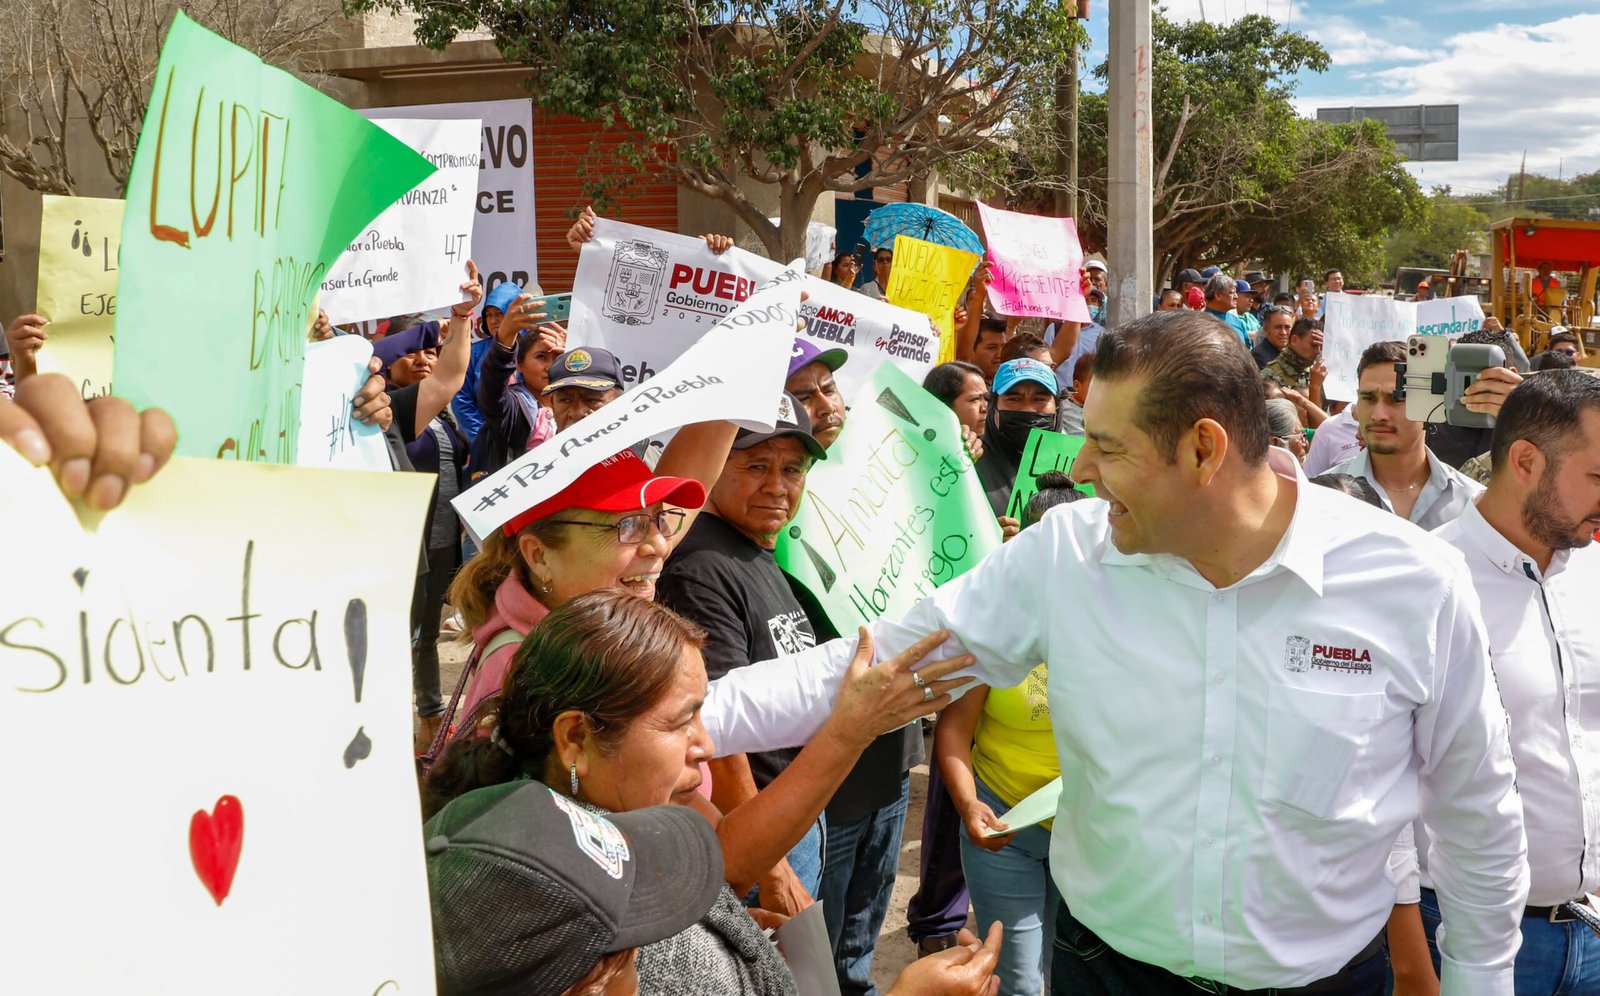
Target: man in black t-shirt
[(723, 577)]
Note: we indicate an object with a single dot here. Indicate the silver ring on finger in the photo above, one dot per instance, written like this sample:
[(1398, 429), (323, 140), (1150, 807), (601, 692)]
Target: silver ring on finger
[(917, 679), (927, 694)]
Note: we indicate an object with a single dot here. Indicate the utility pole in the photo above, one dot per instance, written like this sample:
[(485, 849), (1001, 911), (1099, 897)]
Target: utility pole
[(1129, 210), (1067, 126)]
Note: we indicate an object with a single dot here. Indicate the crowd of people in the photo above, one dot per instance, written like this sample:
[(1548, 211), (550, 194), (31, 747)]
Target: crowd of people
[(1315, 679)]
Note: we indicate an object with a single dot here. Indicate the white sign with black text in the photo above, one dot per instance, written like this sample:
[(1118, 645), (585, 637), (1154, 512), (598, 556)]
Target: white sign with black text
[(413, 255), (504, 233), (734, 372), (647, 296)]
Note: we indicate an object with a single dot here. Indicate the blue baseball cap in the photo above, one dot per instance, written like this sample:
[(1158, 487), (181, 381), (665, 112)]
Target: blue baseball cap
[(1014, 372), (1243, 287), (1210, 272)]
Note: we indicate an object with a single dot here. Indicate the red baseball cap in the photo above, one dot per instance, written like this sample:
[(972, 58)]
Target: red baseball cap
[(622, 483)]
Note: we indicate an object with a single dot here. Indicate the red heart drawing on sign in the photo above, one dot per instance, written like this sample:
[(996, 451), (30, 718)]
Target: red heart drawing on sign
[(215, 839)]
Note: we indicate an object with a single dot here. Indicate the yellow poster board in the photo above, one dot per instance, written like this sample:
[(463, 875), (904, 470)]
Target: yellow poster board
[(78, 242), (929, 278), (209, 695)]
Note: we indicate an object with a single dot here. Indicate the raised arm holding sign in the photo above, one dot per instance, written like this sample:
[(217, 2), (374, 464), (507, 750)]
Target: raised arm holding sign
[(733, 373), (1035, 263)]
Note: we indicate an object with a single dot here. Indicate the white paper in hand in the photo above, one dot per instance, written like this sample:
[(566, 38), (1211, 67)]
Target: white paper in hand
[(1033, 810), (804, 943), (330, 435)]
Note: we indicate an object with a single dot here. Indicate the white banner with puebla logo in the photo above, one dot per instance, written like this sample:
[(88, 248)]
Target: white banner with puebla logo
[(735, 372), (873, 332), (647, 296)]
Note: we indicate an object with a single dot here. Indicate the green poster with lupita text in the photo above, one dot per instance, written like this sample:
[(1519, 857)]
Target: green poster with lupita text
[(246, 185)]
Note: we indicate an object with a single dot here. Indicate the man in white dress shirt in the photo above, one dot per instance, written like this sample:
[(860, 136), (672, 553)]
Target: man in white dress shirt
[(1245, 720), (1529, 544), (1413, 483)]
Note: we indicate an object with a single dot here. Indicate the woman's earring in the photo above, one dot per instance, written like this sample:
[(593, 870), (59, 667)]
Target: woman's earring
[(574, 779)]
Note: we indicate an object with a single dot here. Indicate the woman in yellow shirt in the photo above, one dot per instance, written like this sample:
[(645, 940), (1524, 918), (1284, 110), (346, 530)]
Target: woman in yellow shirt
[(995, 748)]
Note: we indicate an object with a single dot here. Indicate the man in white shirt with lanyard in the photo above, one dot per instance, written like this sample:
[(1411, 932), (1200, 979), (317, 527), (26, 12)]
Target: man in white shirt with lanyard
[(1254, 682), (1529, 544)]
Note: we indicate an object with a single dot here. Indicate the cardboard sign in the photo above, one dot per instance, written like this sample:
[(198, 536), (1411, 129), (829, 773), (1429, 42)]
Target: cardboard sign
[(736, 372), (929, 278), (247, 184), (1034, 265), (1353, 322), (330, 434), (1045, 451), (78, 242), (895, 511), (221, 670), (504, 236), (412, 256)]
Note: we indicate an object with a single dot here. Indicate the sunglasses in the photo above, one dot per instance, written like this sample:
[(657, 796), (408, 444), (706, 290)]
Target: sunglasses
[(633, 528)]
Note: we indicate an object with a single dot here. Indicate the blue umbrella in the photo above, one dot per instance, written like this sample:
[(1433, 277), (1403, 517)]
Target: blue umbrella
[(919, 221)]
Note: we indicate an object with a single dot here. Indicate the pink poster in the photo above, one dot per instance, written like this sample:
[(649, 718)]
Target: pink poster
[(1034, 263)]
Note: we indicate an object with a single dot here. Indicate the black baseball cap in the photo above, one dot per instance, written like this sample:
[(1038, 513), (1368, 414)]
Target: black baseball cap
[(793, 421), (1190, 276), (529, 889), (585, 366)]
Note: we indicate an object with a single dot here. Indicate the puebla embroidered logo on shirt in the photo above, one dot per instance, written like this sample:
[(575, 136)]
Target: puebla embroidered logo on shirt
[(1300, 654)]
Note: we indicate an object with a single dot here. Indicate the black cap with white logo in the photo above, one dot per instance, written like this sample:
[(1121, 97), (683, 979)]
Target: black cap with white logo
[(529, 889), (792, 420)]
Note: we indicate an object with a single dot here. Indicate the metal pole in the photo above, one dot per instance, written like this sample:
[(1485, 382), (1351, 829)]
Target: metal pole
[(1129, 209)]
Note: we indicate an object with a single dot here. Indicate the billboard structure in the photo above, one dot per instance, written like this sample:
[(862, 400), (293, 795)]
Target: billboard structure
[(1423, 132)]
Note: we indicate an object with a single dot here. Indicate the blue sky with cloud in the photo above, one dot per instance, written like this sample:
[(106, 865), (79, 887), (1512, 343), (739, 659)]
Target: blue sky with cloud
[(1525, 72)]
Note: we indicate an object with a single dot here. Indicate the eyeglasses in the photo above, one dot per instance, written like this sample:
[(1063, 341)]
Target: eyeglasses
[(1566, 350), (633, 528)]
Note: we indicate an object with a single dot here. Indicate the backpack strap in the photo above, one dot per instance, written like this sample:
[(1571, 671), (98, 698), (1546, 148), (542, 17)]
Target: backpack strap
[(447, 729)]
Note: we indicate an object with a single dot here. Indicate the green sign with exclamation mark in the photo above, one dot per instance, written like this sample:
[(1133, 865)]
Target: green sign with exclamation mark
[(893, 513)]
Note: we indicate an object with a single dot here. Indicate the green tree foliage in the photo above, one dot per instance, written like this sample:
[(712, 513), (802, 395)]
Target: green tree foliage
[(1446, 224), (1237, 173), (1539, 196), (808, 96)]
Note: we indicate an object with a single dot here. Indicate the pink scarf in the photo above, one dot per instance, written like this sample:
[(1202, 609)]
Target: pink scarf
[(515, 608)]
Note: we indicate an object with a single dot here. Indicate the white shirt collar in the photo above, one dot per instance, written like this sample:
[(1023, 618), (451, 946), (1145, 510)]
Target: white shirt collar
[(1299, 551), (1500, 551)]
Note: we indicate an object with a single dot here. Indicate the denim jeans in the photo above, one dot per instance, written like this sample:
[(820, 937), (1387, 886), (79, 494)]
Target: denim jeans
[(805, 860), (1084, 965), (859, 860), (1013, 885), (427, 601), (1556, 959)]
